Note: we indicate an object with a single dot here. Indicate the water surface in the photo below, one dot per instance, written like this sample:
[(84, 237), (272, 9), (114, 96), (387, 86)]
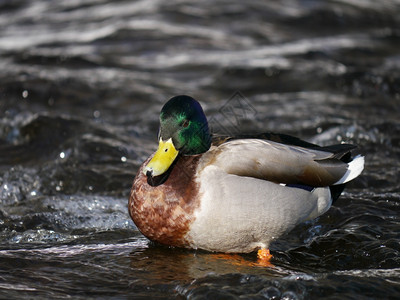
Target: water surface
[(81, 86)]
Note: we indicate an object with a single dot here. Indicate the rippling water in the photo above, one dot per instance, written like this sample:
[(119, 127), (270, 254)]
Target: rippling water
[(81, 86)]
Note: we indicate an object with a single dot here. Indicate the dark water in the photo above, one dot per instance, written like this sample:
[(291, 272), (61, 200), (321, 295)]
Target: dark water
[(81, 86)]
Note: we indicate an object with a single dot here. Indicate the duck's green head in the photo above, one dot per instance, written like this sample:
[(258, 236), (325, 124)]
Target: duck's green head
[(183, 130)]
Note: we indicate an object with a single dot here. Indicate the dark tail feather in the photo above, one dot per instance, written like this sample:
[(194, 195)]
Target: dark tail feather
[(336, 190)]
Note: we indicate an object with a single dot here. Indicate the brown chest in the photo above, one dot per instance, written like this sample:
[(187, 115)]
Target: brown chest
[(165, 212)]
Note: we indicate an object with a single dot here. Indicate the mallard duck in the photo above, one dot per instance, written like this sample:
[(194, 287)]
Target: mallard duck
[(232, 194)]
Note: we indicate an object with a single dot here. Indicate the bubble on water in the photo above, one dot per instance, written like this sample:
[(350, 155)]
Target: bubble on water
[(305, 277), (123, 159), (59, 186), (271, 293), (96, 114), (289, 296)]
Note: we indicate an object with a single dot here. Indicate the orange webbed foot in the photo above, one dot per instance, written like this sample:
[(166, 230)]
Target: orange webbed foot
[(264, 256)]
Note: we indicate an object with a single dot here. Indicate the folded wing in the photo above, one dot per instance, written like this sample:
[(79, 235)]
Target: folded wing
[(286, 164)]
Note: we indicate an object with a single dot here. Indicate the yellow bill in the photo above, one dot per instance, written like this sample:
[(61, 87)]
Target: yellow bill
[(162, 160)]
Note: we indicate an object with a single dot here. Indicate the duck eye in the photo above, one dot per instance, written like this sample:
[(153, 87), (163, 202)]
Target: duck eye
[(185, 123)]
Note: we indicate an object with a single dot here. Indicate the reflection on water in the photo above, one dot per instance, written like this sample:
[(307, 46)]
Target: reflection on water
[(81, 87)]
